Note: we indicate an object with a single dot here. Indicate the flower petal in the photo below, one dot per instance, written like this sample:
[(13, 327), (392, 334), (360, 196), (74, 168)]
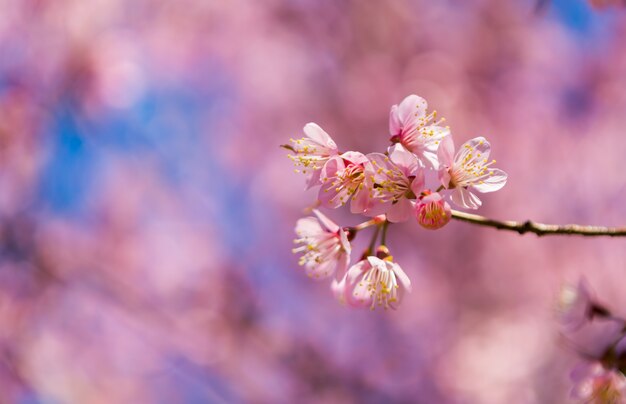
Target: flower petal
[(322, 270), (317, 134), (404, 118), (330, 226), (405, 281), (400, 211), (360, 201), (331, 168), (418, 183), (464, 198), (493, 182), (478, 147), (404, 159), (314, 179), (410, 110), (395, 126), (354, 157), (308, 226), (445, 153)]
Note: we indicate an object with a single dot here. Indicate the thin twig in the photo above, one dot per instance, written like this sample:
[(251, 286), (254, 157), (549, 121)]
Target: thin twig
[(540, 229)]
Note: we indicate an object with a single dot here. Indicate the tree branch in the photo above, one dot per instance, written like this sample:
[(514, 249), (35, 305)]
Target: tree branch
[(540, 229)]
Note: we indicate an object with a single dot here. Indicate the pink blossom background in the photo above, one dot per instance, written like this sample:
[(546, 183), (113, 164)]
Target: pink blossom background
[(147, 212)]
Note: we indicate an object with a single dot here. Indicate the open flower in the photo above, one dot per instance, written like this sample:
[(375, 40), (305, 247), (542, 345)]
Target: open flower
[(397, 179), (373, 282), (595, 383), (343, 180), (325, 246), (417, 131), (312, 152), (432, 211), (469, 169)]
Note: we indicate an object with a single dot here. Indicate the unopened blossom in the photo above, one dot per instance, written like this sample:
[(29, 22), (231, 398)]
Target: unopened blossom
[(398, 178), (312, 152), (418, 131), (595, 383), (469, 170), (432, 211), (373, 282), (343, 180), (324, 245)]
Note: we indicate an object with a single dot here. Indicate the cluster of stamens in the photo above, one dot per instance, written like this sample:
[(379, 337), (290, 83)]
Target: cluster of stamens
[(318, 249), (393, 186), (471, 170), (425, 129), (348, 181), (381, 286), (307, 156)]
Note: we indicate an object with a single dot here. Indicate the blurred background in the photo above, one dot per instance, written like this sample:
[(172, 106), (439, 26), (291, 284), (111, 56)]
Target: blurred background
[(147, 212)]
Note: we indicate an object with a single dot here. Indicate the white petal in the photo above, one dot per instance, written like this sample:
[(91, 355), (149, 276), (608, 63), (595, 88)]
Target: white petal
[(317, 134), (464, 198), (345, 244), (479, 147), (320, 271), (402, 276), (376, 262), (492, 182), (411, 109), (326, 222), (308, 226), (445, 152)]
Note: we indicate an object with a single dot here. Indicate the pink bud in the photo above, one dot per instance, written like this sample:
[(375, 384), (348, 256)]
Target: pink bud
[(432, 211)]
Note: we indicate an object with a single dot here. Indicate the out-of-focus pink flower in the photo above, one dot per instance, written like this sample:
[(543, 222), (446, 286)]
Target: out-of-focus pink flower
[(410, 125), (312, 152), (594, 383), (432, 211), (398, 178), (574, 305), (469, 168), (325, 246), (343, 179), (373, 282)]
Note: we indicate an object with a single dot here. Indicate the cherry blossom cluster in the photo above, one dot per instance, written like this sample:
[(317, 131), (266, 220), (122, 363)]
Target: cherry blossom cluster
[(389, 187), (599, 337)]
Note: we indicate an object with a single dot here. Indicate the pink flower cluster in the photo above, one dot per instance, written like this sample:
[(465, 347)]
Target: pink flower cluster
[(600, 338), (390, 187)]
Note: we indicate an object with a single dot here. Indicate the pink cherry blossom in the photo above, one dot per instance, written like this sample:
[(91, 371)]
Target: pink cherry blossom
[(432, 211), (468, 169), (325, 246), (574, 305), (398, 178), (343, 180), (312, 152), (594, 383), (373, 282), (417, 131)]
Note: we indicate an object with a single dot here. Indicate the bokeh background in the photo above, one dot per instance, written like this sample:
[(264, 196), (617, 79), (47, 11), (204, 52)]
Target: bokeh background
[(147, 212)]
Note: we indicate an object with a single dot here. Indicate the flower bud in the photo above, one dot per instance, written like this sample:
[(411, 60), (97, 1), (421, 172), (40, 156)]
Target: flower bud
[(432, 211)]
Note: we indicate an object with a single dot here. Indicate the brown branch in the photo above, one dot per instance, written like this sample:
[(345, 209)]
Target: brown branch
[(540, 229)]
